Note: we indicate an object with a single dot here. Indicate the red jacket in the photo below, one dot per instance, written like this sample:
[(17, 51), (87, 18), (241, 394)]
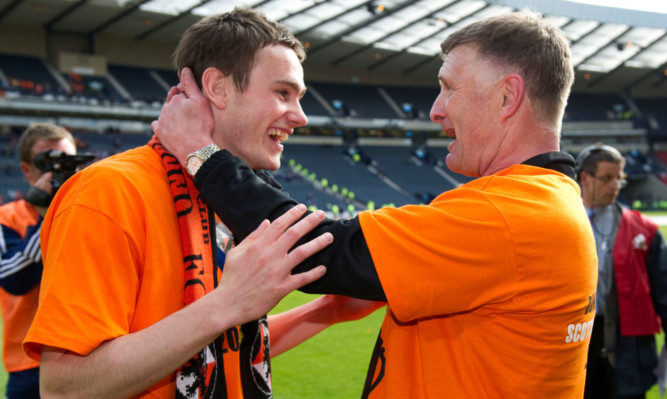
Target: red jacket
[(637, 314)]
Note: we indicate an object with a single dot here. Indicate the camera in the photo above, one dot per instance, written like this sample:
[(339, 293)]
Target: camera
[(62, 166)]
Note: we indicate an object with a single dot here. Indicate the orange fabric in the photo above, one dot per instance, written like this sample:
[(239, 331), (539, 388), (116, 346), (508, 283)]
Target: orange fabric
[(489, 290), (129, 273), (17, 310)]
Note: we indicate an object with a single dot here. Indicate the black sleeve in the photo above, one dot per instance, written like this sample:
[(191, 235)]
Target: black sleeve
[(20, 259), (656, 265), (242, 200)]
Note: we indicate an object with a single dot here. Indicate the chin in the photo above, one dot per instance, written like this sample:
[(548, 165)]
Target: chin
[(270, 165)]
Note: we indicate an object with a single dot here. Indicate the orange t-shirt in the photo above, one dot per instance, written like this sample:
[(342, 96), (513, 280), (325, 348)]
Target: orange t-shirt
[(17, 310), (489, 289), (116, 265)]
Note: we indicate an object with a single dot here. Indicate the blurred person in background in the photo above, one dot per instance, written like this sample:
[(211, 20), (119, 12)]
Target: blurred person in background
[(490, 285), (631, 300), (21, 257)]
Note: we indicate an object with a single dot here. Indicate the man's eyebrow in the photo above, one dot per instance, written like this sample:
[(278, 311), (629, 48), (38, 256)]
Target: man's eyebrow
[(296, 87)]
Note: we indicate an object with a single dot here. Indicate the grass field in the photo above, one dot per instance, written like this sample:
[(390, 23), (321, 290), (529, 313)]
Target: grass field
[(332, 364)]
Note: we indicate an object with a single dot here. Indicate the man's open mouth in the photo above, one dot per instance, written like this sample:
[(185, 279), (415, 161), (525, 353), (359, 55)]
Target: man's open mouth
[(278, 134)]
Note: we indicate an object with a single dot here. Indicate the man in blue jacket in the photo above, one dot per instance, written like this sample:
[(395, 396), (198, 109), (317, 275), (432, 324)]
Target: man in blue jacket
[(21, 257)]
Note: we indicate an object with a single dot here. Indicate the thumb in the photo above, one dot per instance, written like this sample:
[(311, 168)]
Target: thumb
[(188, 84)]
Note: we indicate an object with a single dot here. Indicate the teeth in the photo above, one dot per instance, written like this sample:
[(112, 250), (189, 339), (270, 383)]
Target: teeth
[(279, 134)]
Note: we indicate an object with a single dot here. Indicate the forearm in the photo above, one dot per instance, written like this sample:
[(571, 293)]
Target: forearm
[(132, 363), (290, 328), (242, 200), (294, 326)]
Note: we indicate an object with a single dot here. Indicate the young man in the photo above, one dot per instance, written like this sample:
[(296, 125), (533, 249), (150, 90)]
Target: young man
[(21, 258), (130, 305), (490, 286), (631, 300)]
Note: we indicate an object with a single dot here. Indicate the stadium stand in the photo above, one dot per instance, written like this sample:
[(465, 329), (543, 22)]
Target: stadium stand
[(404, 168), (595, 107), (140, 83), (28, 75), (360, 101), (418, 99), (112, 113), (340, 167)]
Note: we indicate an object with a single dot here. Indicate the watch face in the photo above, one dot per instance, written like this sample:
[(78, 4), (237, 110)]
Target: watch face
[(192, 164)]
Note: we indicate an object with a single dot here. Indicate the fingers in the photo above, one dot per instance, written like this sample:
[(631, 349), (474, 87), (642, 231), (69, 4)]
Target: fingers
[(290, 235), (300, 279), (172, 92), (304, 251), (278, 226), (44, 182), (188, 84), (258, 231), (284, 237)]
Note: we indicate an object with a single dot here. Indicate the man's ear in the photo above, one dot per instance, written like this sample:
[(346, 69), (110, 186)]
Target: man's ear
[(513, 95), (215, 87), (27, 171), (584, 177)]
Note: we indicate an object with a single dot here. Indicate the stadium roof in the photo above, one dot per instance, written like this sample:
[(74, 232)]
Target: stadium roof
[(614, 49)]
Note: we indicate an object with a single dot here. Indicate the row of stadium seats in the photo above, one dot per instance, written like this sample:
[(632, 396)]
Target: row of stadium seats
[(31, 75), (329, 177)]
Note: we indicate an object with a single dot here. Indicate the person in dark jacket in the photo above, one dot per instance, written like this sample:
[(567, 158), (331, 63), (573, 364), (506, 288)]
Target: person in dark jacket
[(21, 257), (631, 300)]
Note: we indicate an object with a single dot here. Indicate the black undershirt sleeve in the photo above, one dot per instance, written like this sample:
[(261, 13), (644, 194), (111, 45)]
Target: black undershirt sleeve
[(243, 200)]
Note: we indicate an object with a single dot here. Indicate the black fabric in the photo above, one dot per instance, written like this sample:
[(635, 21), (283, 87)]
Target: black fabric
[(243, 200), (600, 377), (23, 384), (559, 161)]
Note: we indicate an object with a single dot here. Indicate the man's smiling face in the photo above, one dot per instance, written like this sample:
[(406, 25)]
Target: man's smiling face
[(258, 119)]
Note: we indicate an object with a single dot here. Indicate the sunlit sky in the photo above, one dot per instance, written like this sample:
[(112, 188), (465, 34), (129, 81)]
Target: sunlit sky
[(659, 6)]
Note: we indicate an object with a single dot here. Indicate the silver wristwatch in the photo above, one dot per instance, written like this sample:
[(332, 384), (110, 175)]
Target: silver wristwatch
[(196, 159)]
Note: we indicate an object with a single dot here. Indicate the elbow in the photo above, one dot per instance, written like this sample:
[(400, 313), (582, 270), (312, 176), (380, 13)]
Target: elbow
[(54, 387), (48, 390)]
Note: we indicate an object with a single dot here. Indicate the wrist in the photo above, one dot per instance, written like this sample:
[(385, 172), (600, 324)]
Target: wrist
[(196, 159)]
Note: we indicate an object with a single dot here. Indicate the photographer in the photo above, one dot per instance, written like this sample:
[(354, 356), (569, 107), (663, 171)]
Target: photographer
[(21, 255)]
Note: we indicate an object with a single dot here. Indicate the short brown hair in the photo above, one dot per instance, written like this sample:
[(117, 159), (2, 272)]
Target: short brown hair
[(40, 131), (589, 158), (230, 42), (524, 40)]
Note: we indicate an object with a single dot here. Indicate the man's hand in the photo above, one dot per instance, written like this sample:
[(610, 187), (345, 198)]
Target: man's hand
[(44, 183), (257, 272), (186, 122)]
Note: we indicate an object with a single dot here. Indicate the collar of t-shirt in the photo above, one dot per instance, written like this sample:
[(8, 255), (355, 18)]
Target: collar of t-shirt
[(557, 160)]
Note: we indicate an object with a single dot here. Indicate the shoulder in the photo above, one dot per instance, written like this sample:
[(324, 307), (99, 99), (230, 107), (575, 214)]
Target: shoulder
[(19, 209), (132, 176), (640, 217)]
